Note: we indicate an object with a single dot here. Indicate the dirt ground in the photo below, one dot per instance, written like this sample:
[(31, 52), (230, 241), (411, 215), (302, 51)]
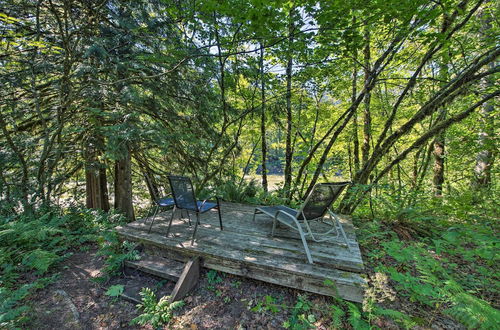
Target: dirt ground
[(77, 301)]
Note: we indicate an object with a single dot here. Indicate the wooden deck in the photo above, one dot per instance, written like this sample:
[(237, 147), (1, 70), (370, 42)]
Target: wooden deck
[(245, 248)]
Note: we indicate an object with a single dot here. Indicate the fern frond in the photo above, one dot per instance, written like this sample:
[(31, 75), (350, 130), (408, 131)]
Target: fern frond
[(355, 317), (40, 260), (397, 316), (474, 312)]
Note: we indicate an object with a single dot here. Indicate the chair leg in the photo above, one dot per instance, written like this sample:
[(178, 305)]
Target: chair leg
[(220, 218), (304, 242), (274, 227), (306, 247), (189, 218), (254, 214), (171, 218), (153, 219), (338, 227), (195, 227), (341, 229)]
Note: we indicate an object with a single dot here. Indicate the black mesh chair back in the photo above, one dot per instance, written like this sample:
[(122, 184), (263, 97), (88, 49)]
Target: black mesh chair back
[(320, 199), (183, 192)]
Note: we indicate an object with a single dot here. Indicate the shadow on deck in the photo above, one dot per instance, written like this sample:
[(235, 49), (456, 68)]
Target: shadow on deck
[(245, 248)]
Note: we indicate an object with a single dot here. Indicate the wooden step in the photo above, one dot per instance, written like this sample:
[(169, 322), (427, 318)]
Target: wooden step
[(158, 266), (185, 275)]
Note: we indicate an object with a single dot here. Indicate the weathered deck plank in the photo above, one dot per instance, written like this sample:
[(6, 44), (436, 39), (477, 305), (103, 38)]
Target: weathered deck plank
[(245, 248), (339, 257), (165, 268), (238, 224)]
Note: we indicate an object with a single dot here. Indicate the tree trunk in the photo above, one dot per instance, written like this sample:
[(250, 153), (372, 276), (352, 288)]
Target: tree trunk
[(288, 149), (355, 120), (439, 140), (123, 187), (365, 149), (263, 120), (439, 148), (446, 95), (96, 188), (91, 186), (24, 166), (149, 177), (96, 183), (378, 67), (485, 157), (351, 200), (103, 190)]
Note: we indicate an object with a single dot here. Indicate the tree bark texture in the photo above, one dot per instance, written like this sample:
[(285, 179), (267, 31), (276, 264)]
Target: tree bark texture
[(123, 187), (440, 139), (365, 149), (355, 138), (96, 183), (263, 120), (485, 157), (288, 149)]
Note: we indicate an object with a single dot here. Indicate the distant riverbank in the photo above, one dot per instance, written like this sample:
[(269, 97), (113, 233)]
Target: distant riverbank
[(274, 181)]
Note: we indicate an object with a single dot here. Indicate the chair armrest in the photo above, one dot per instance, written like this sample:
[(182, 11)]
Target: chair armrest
[(294, 219), (287, 214), (211, 198)]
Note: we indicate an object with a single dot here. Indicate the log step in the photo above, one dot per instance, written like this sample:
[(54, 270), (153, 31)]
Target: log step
[(158, 266)]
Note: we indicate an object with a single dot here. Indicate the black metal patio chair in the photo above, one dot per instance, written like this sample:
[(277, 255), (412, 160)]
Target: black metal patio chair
[(184, 199), (315, 207), (161, 203)]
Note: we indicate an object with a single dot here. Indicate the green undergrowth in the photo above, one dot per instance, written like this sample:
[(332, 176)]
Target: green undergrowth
[(433, 259), (31, 247), (155, 312), (115, 253), (305, 314), (248, 192), (429, 262)]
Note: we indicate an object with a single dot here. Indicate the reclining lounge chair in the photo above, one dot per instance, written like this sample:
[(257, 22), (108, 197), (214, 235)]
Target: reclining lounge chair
[(315, 207)]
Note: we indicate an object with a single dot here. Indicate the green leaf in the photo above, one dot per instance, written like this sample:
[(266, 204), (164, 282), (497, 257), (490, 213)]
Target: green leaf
[(40, 260), (115, 290)]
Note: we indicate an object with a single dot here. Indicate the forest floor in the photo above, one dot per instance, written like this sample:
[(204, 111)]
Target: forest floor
[(77, 300), (429, 268)]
